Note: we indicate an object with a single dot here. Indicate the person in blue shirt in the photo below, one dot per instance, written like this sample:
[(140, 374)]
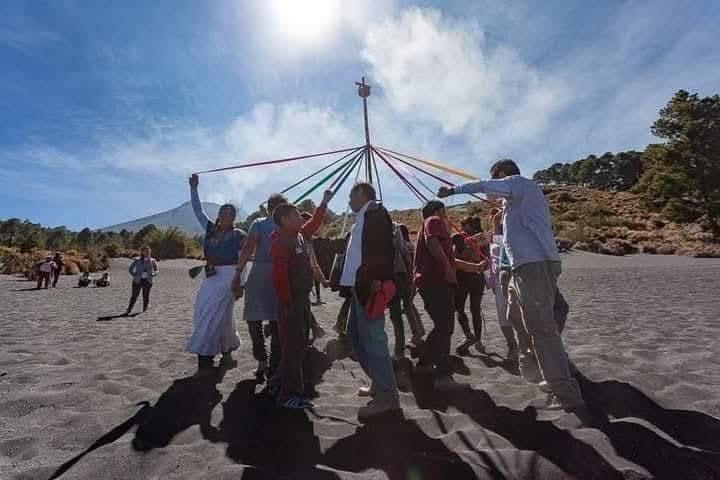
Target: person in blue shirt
[(214, 328), (529, 243)]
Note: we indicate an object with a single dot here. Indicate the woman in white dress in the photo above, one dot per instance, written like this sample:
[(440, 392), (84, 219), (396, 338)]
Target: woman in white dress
[(214, 328)]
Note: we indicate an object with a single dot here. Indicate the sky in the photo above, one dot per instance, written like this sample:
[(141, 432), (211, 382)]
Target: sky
[(107, 107)]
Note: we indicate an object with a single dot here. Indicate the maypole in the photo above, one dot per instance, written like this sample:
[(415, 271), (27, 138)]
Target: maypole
[(364, 92)]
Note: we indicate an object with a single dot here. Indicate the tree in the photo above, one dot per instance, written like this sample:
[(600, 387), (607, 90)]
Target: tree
[(58, 238), (683, 178), (33, 240), (84, 238), (141, 237)]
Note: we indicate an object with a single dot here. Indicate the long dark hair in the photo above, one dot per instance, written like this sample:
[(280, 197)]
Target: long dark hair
[(216, 227)]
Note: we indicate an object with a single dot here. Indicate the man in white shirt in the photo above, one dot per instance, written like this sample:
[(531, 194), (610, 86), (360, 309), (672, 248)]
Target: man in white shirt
[(530, 246), (368, 268)]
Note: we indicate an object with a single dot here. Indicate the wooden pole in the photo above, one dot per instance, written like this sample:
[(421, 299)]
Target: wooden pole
[(364, 92)]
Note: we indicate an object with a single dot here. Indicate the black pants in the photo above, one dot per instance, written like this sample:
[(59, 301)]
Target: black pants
[(43, 278), (470, 285), (398, 325), (439, 303), (342, 317), (294, 327), (317, 291), (143, 286), (56, 276), (258, 344)]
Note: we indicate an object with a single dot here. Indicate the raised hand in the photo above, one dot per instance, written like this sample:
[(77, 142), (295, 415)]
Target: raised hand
[(194, 180), (327, 196), (445, 192)]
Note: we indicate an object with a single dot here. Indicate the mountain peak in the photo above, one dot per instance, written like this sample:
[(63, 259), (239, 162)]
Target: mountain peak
[(181, 217)]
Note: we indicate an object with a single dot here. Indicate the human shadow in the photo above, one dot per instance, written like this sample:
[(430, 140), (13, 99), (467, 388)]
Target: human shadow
[(400, 448), (494, 360), (106, 439), (30, 289), (109, 318), (188, 401), (273, 442), (337, 349), (695, 449), (521, 428)]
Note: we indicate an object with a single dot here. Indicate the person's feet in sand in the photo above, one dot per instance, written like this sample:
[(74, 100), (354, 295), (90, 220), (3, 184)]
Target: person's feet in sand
[(544, 387), (513, 354), (480, 347), (227, 361), (366, 391), (378, 407)]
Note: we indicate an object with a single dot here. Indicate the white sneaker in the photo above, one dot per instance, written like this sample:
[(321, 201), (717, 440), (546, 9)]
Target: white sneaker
[(544, 387), (366, 391)]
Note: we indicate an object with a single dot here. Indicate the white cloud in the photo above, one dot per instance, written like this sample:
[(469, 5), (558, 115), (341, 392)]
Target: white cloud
[(441, 71)]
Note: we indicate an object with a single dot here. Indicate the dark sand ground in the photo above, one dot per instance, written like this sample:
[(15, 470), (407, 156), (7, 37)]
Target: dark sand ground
[(109, 398)]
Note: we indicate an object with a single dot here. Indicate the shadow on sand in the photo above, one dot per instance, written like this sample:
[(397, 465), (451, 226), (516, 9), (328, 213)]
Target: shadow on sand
[(276, 443), (693, 451), (109, 318)]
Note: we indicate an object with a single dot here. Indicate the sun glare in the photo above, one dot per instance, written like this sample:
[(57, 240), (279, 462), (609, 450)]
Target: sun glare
[(304, 21)]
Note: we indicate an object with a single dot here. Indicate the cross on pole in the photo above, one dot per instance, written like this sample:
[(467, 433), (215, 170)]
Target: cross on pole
[(364, 92)]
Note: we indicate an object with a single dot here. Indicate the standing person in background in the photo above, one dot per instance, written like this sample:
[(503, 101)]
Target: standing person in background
[(345, 293), (500, 278), (368, 273), (260, 299), (57, 271), (535, 262), (470, 284), (436, 279), (143, 271), (214, 328), (414, 319), (318, 277), (44, 270)]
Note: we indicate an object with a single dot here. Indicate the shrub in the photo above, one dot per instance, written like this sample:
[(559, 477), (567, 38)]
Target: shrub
[(172, 243), (113, 250)]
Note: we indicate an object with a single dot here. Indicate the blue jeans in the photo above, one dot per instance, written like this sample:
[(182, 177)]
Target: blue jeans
[(370, 344)]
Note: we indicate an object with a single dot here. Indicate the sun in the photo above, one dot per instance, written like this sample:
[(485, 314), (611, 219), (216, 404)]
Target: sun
[(304, 21)]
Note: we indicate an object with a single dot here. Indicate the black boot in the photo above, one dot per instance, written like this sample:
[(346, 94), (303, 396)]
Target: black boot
[(513, 351)]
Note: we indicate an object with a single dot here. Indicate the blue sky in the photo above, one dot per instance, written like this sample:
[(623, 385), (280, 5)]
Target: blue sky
[(107, 107)]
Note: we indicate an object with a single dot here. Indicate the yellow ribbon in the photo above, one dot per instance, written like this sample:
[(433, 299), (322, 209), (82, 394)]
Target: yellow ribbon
[(437, 165)]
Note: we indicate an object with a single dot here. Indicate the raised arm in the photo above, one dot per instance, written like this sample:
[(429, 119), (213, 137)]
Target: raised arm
[(196, 204), (495, 188), (311, 226)]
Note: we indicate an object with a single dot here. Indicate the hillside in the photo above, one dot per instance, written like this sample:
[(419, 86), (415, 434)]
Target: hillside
[(181, 217), (608, 222)]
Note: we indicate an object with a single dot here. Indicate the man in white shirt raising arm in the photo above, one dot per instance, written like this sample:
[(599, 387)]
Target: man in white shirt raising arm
[(530, 246)]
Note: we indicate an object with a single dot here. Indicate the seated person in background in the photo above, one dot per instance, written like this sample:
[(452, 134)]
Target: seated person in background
[(84, 280), (103, 281)]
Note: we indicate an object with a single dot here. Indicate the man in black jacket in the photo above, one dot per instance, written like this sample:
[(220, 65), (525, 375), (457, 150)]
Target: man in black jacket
[(368, 271)]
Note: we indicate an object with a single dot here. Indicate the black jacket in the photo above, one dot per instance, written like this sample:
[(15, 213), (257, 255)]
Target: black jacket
[(378, 250)]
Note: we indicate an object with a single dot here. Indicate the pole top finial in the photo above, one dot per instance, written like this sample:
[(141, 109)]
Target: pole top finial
[(363, 88)]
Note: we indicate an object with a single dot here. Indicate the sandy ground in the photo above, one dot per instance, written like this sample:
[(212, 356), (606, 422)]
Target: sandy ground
[(83, 396)]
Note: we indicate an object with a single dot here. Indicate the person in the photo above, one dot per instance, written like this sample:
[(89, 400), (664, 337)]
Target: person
[(318, 277), (292, 278), (103, 281), (143, 271), (436, 280), (214, 328), (368, 274), (402, 301), (470, 284), (499, 282), (415, 319), (57, 271), (45, 269), (260, 300), (530, 246), (345, 293), (84, 280)]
